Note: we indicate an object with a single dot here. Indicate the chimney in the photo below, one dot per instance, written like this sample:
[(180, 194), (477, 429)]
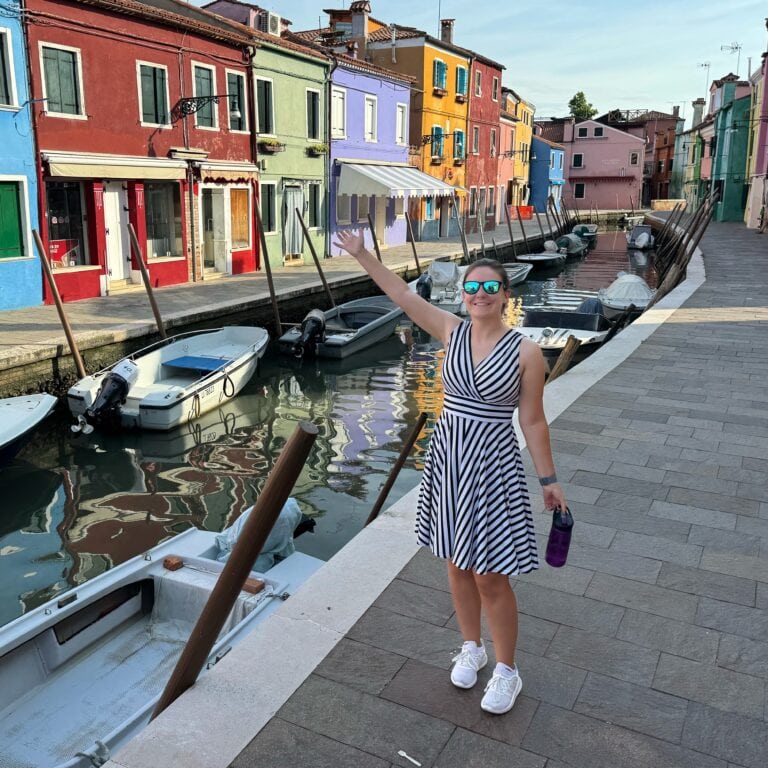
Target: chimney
[(446, 30), (676, 111), (352, 47), (698, 111), (359, 11)]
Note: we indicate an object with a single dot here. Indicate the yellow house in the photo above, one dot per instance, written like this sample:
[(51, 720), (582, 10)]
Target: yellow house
[(523, 113), (439, 110)]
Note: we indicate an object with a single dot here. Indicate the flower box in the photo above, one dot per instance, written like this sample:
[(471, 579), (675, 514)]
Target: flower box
[(436, 91), (458, 161), (437, 159), (317, 150), (461, 98), (271, 147)]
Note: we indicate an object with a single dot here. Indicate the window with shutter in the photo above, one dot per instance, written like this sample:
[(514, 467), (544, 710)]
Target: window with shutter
[(267, 207), (264, 107), (205, 117), (313, 115), (436, 73), (402, 124), (61, 80), (437, 141), (458, 144), (11, 239), (154, 102), (6, 76), (461, 81), (236, 101), (338, 113), (370, 118)]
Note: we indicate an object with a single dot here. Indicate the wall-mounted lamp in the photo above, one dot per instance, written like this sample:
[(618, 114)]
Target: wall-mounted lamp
[(191, 104)]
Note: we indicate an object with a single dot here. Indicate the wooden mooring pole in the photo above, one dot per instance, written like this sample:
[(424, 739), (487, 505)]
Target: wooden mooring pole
[(316, 259), (48, 272), (147, 283), (374, 238), (413, 243), (387, 487), (564, 358), (257, 527), (462, 234), (267, 266), (511, 236), (522, 229)]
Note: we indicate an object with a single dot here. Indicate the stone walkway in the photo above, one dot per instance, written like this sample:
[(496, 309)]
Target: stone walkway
[(650, 648)]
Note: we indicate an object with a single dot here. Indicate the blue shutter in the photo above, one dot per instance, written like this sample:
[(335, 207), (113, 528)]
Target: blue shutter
[(443, 75), (436, 73), (458, 144), (461, 81)]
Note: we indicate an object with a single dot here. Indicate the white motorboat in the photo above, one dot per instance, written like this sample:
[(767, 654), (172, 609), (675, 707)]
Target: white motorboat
[(517, 273), (572, 245), (441, 285), (624, 291), (81, 674), (171, 382), (542, 260), (349, 328), (640, 238), (19, 417), (587, 232), (551, 329)]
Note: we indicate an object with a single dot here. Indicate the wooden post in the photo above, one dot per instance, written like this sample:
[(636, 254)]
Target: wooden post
[(511, 236), (462, 235), (495, 249), (522, 229), (413, 243), (374, 238), (549, 223), (317, 261), (480, 230), (145, 279), (564, 359), (237, 568), (267, 266), (558, 220), (541, 229), (59, 305), (387, 487)]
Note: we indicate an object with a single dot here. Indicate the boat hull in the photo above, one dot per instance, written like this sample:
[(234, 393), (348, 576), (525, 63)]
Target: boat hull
[(19, 418)]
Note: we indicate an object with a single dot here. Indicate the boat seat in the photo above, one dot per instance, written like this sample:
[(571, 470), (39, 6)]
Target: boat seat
[(198, 362), (337, 328)]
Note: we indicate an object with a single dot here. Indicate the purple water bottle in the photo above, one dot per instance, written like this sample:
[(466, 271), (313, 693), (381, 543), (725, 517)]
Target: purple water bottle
[(559, 537)]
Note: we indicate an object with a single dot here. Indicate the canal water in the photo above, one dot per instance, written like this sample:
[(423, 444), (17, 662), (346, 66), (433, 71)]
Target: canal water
[(74, 506)]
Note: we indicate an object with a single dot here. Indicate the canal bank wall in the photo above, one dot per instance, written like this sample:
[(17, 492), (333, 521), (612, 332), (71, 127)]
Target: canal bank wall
[(35, 357)]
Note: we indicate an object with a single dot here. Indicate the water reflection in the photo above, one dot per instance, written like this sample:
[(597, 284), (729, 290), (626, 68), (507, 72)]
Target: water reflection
[(74, 507)]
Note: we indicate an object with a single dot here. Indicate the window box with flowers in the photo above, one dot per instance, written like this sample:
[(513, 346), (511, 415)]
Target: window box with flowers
[(438, 91), (316, 150), (461, 98), (270, 146), (458, 161), (436, 159)]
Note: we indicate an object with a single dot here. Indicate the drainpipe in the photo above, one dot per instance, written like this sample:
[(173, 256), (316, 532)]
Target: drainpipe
[(192, 234), (327, 169), (250, 53)]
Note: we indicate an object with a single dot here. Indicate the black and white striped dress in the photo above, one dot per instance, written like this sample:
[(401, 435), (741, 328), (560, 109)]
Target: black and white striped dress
[(473, 504)]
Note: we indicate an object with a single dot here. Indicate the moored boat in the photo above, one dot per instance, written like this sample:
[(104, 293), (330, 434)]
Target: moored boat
[(640, 238), (171, 382), (349, 328), (441, 285), (551, 329), (624, 291), (82, 673), (19, 417), (587, 232), (542, 260), (517, 273), (572, 245)]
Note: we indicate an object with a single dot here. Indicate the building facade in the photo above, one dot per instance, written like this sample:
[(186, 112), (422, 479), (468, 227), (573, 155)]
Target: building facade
[(663, 163), (369, 152), (523, 113), (146, 158), (482, 167), (757, 160), (729, 175), (505, 175), (547, 174), (20, 273)]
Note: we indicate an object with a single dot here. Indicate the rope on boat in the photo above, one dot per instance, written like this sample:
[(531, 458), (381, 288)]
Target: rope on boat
[(98, 756), (228, 381)]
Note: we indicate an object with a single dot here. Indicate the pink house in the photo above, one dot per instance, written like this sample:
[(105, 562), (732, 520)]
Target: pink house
[(506, 166), (603, 165)]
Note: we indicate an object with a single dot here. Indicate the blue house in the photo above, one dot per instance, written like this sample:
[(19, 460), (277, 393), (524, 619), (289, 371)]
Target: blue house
[(20, 276), (547, 174)]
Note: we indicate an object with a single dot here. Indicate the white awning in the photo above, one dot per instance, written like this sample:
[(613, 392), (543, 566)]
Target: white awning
[(101, 166), (390, 181)]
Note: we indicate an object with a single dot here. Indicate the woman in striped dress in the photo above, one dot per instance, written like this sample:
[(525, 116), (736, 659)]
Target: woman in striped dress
[(473, 505)]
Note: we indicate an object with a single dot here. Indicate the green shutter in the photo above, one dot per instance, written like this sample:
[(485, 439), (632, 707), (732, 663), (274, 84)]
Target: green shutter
[(160, 102), (264, 104), (51, 76), (204, 87), (148, 111), (11, 241), (61, 85), (436, 73), (235, 91)]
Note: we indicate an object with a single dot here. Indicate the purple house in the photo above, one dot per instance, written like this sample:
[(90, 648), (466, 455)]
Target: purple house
[(369, 169)]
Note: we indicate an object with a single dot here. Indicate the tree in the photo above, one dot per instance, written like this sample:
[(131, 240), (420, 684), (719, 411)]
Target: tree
[(580, 107)]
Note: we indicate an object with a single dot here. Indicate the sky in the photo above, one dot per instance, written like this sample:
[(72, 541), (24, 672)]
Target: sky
[(621, 54)]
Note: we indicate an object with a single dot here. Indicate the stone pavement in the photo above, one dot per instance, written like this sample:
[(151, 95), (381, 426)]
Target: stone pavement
[(650, 648)]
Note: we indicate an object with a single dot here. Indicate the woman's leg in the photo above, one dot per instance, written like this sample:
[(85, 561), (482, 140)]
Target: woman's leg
[(500, 607), (466, 601)]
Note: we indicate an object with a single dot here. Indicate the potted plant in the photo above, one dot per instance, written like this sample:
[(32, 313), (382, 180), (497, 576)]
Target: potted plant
[(315, 150), (271, 145)]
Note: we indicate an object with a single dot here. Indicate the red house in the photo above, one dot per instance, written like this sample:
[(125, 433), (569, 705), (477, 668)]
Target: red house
[(483, 141), (142, 116)]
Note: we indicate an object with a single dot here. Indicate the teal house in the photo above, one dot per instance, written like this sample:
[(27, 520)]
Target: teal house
[(729, 164), (20, 275)]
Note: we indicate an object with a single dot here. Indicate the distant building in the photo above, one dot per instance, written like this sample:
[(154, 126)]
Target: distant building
[(756, 213), (547, 174), (523, 113), (663, 163)]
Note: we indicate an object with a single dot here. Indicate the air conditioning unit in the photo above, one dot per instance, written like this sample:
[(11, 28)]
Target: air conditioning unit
[(274, 22)]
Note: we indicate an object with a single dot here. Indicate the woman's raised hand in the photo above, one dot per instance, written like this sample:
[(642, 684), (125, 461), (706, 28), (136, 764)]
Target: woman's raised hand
[(351, 242)]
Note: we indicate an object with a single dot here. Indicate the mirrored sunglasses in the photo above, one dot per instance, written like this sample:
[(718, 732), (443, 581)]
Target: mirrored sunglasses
[(489, 286)]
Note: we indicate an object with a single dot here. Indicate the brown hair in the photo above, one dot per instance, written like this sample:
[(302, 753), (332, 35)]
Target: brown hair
[(496, 266)]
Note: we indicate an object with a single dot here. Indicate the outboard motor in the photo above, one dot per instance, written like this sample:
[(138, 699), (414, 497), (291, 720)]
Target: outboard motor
[(105, 409), (312, 332), (424, 286)]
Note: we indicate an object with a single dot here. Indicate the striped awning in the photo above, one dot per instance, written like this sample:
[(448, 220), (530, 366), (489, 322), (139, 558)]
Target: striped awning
[(390, 181)]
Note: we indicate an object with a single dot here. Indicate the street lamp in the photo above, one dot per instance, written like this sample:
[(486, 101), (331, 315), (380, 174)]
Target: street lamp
[(191, 104)]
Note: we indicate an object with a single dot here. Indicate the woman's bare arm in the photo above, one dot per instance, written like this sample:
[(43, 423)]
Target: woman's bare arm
[(533, 422), (435, 321)]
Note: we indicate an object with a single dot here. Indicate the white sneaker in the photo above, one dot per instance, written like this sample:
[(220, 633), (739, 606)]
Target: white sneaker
[(501, 692), (467, 663)]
